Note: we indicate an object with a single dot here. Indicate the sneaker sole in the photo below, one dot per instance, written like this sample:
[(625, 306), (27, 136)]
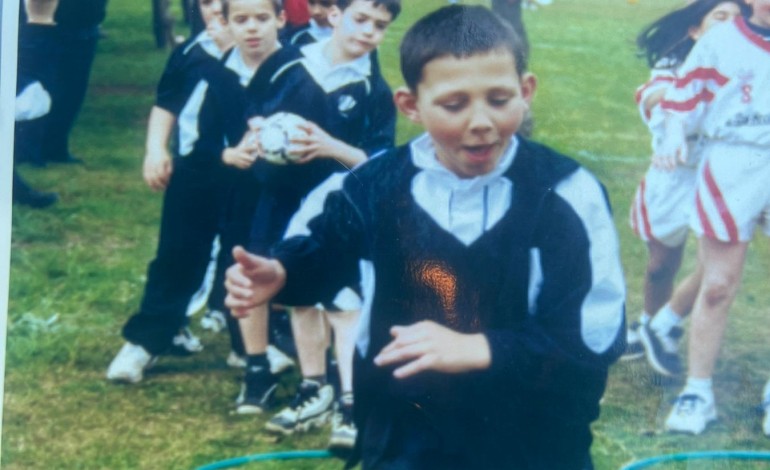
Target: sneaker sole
[(243, 409), (684, 430), (652, 359), (305, 426), (341, 443)]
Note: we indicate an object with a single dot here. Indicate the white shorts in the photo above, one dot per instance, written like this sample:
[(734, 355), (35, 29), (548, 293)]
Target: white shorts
[(732, 193), (662, 205)]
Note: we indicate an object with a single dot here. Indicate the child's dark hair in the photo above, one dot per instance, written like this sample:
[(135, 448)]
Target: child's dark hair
[(458, 31), (277, 6), (669, 37), (392, 6)]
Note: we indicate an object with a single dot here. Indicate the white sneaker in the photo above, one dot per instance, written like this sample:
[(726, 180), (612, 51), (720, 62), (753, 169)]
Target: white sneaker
[(691, 413), (343, 429), (235, 360), (279, 360), (766, 407), (310, 408), (185, 342), (214, 320), (129, 364)]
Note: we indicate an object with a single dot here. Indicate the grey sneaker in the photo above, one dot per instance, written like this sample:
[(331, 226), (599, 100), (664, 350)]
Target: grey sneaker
[(691, 414), (311, 407), (634, 348), (662, 351)]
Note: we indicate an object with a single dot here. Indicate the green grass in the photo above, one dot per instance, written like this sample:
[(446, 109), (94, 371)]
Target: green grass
[(77, 269)]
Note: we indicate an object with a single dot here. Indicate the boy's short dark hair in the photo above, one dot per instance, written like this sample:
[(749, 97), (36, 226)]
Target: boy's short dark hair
[(392, 6), (277, 5), (458, 31)]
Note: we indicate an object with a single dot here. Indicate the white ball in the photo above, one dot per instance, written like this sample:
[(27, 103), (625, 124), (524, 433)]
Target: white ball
[(276, 134)]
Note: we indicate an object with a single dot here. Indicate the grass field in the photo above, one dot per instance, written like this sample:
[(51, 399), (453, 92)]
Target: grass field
[(77, 269)]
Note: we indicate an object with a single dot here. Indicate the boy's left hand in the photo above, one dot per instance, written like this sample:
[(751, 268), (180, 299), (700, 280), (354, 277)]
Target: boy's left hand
[(429, 346), (316, 143)]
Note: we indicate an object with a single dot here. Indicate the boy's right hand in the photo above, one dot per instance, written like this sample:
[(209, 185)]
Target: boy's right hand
[(157, 169), (252, 281), (673, 149), (245, 154)]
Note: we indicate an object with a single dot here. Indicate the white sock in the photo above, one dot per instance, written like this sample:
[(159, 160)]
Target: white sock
[(644, 318), (700, 387), (664, 320)]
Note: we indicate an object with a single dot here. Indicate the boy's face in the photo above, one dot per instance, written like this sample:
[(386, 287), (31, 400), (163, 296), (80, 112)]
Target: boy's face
[(211, 10), (360, 28), (470, 107), (319, 11), (254, 26), (760, 15)]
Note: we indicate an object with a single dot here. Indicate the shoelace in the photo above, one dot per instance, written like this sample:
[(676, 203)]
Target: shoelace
[(685, 404), (304, 396)]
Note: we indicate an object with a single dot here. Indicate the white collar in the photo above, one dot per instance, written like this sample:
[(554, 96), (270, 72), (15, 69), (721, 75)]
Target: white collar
[(424, 157), (235, 63), (207, 43), (319, 33)]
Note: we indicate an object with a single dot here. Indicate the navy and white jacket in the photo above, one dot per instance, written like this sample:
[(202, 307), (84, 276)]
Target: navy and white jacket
[(184, 69), (349, 101), (527, 255), (213, 116)]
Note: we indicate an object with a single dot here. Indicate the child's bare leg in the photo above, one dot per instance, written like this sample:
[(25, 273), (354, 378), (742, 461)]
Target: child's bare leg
[(695, 406), (311, 340), (662, 266), (344, 324), (686, 292), (723, 265), (254, 330)]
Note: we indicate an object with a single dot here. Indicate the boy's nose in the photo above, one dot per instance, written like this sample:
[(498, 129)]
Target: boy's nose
[(480, 119)]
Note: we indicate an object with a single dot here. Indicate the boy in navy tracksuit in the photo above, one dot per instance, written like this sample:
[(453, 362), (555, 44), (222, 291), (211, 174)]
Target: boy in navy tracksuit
[(490, 270), (350, 116), (318, 28), (211, 116)]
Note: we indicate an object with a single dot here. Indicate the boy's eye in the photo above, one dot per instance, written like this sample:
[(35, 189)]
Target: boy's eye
[(499, 100), (453, 105), (263, 18), (381, 25)]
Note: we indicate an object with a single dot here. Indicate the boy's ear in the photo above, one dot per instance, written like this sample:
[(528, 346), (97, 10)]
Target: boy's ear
[(406, 102), (528, 86), (281, 19), (335, 16)]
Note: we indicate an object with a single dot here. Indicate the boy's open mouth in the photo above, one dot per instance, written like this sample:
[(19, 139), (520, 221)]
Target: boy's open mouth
[(480, 152)]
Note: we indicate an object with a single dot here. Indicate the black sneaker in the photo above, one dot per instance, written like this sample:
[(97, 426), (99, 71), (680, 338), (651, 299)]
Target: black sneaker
[(311, 407), (634, 348), (662, 351), (257, 392)]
